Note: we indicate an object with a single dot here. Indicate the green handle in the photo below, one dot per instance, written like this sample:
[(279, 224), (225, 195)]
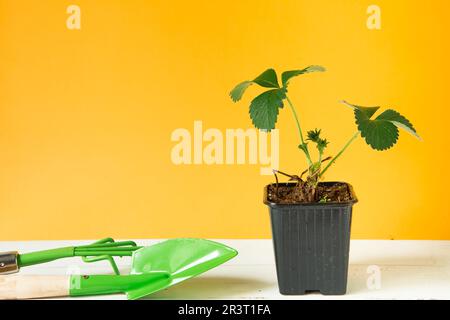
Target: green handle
[(29, 259), (108, 284), (104, 249)]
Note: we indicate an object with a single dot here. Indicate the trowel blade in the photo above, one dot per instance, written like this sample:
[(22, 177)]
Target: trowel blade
[(180, 258)]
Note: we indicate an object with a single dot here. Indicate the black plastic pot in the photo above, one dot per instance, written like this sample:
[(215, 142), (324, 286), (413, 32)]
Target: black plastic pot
[(311, 243)]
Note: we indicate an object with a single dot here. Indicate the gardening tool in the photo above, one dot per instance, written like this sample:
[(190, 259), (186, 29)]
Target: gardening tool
[(153, 268), (105, 249)]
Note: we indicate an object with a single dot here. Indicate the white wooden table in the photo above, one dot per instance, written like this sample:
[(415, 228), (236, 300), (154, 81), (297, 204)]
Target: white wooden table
[(407, 270)]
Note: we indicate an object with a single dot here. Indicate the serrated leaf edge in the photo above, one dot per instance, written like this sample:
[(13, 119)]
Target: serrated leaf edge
[(365, 136)]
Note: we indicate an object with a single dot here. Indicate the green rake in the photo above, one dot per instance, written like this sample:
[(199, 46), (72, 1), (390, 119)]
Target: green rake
[(104, 249)]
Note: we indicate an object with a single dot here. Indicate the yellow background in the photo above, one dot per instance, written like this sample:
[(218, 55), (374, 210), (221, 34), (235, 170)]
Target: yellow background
[(86, 115)]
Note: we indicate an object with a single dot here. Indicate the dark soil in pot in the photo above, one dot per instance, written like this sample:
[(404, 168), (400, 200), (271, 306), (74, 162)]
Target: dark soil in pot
[(328, 192), (311, 240)]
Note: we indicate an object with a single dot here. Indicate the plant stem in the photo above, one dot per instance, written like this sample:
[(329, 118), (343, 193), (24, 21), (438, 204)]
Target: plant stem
[(308, 157), (284, 174), (356, 135)]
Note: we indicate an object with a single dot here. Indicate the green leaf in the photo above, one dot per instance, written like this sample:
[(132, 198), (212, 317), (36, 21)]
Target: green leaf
[(314, 135), (322, 144), (264, 109), (287, 75), (267, 79), (368, 111), (303, 147), (238, 91), (399, 121), (382, 132), (379, 134)]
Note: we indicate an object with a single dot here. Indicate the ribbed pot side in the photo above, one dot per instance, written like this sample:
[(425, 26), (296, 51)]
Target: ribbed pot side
[(312, 243)]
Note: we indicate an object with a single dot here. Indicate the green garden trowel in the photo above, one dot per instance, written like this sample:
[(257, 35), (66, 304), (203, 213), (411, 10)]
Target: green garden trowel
[(153, 268)]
